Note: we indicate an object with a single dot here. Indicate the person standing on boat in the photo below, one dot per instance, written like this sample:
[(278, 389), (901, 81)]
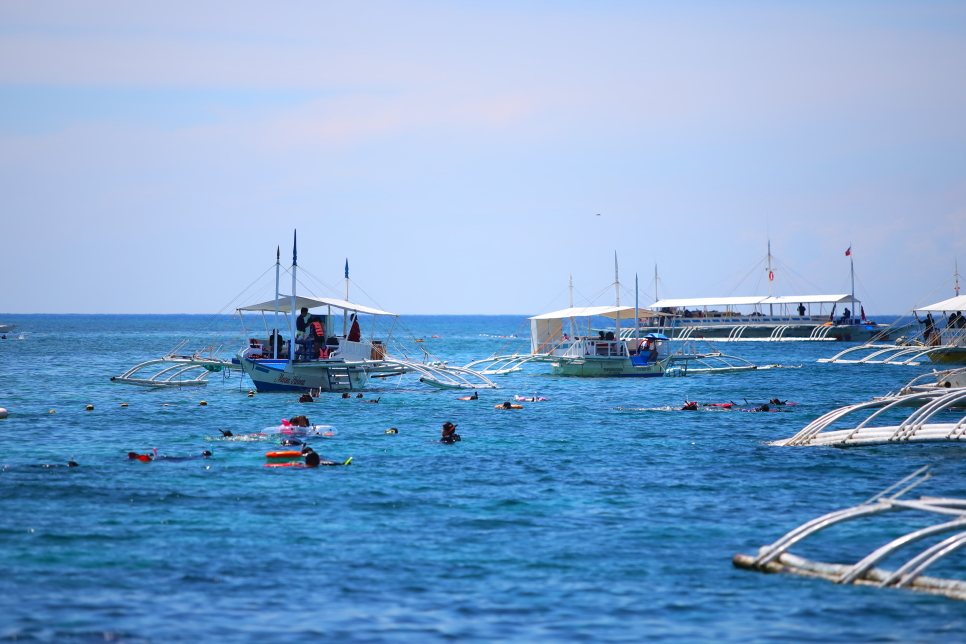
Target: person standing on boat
[(801, 309), (302, 322)]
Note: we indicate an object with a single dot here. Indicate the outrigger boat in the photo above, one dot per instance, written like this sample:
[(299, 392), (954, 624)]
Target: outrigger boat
[(909, 573), (766, 317), (931, 394), (326, 362), (940, 339), (576, 350)]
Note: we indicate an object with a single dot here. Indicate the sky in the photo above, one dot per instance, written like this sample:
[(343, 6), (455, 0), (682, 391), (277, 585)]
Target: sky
[(469, 157)]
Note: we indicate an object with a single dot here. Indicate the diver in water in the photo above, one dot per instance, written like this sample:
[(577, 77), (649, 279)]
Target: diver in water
[(776, 401), (292, 441), (225, 433), (762, 407), (690, 406), (69, 464), (449, 433)]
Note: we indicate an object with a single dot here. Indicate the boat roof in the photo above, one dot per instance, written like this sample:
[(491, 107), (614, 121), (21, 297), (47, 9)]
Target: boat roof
[(957, 303), (753, 300), (615, 312), (285, 305)]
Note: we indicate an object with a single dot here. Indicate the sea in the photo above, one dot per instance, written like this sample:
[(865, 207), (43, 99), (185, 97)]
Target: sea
[(602, 514)]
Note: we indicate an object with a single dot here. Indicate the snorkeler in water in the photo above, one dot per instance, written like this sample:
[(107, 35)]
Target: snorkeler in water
[(449, 434), (204, 454), (690, 406)]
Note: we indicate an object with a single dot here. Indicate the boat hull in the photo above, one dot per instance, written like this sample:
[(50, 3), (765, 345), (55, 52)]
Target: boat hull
[(591, 367), (780, 331), (280, 375), (953, 355)]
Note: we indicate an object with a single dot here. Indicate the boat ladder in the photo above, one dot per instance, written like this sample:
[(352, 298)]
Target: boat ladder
[(339, 378)]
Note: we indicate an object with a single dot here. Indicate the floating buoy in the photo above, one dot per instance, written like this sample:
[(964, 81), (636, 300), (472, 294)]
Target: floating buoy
[(165, 405), (52, 411), (392, 430), (251, 394), (504, 406), (123, 404), (284, 454), (3, 412), (90, 408), (203, 403)]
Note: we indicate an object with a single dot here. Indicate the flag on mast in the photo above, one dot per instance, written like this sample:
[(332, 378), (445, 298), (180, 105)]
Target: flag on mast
[(347, 268), (849, 251)]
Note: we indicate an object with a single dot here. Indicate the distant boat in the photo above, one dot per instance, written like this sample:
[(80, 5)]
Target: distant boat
[(8, 328), (342, 358), (565, 340), (768, 317)]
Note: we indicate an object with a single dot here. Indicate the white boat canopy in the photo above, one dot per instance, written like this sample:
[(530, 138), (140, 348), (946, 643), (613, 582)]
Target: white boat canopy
[(700, 302), (613, 312), (952, 304), (285, 305)]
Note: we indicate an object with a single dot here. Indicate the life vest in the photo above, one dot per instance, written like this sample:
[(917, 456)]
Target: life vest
[(317, 329)]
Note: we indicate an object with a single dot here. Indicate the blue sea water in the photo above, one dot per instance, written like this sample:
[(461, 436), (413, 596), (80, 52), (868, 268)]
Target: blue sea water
[(600, 515)]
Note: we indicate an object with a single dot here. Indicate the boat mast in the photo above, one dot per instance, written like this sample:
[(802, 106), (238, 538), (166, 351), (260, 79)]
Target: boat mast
[(274, 340), (656, 298), (572, 330), (291, 346), (345, 314), (771, 278), (637, 315), (852, 269), (617, 297), (956, 288)]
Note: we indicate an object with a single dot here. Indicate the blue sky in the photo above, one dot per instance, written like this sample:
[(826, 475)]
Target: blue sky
[(153, 155)]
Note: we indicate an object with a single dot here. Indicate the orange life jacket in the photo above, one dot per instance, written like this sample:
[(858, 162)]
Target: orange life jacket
[(317, 329)]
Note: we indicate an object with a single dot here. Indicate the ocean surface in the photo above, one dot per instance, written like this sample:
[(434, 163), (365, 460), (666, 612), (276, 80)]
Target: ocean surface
[(600, 515)]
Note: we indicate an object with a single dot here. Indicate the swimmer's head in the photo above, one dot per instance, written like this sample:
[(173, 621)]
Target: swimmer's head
[(72, 464), (312, 459), (132, 455), (206, 453), (226, 432)]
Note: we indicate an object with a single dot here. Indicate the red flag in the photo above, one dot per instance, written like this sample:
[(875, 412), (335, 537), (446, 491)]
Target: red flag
[(862, 308), (849, 251)]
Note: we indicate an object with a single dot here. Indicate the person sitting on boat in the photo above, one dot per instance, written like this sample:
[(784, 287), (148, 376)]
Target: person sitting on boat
[(846, 316), (354, 334), (449, 433), (273, 340)]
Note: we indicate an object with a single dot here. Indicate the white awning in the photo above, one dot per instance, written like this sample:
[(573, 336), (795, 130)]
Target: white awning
[(811, 299), (952, 304), (285, 305), (613, 312), (755, 300)]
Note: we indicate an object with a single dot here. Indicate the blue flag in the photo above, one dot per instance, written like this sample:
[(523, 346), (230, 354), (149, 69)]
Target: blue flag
[(347, 269)]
